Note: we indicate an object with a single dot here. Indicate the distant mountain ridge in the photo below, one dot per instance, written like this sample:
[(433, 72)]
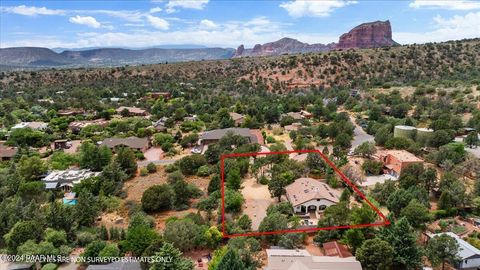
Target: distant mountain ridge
[(366, 35)]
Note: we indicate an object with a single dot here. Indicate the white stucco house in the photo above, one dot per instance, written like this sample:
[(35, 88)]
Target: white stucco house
[(311, 195)]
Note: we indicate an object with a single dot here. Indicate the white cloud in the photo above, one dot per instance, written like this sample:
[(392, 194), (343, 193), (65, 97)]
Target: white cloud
[(300, 8), (191, 4), (155, 10), (85, 20), (207, 24), (439, 4), (454, 28), (32, 11), (158, 23)]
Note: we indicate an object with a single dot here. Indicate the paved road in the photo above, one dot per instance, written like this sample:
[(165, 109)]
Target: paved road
[(360, 135), (474, 151), (156, 162)]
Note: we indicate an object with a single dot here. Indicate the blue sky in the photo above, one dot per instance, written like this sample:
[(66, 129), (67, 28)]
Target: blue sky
[(226, 23)]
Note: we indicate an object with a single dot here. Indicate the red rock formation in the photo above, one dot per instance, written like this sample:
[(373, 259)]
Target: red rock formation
[(367, 35)]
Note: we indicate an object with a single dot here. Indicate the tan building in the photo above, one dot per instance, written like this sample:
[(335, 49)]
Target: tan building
[(237, 118), (132, 111), (76, 126), (395, 161), (134, 143), (300, 259), (311, 195), (7, 152)]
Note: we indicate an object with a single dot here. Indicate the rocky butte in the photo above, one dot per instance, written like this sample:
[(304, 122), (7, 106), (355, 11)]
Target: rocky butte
[(366, 35)]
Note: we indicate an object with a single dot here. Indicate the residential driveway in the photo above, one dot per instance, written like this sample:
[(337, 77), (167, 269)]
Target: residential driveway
[(474, 151), (257, 199), (360, 135), (372, 180), (144, 163), (154, 153)]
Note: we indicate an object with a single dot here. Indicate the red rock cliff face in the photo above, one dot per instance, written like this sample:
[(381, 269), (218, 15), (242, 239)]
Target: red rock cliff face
[(367, 35)]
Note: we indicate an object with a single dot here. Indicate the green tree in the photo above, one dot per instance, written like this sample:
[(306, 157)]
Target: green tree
[(183, 234), (177, 262), (375, 254), (31, 168), (87, 209), (416, 213), (190, 164), (127, 160), (234, 179), (138, 238), (442, 249), (231, 261), (157, 198), (57, 238), (110, 251), (365, 149), (21, 232), (273, 222), (472, 140), (406, 252)]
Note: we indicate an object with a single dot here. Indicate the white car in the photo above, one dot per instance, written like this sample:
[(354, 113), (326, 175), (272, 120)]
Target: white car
[(197, 149)]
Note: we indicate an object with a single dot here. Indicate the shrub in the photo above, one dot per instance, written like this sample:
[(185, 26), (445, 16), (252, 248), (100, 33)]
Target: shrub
[(152, 168), (190, 164), (203, 171), (171, 168), (158, 197), (270, 139), (143, 172), (50, 266), (84, 238)]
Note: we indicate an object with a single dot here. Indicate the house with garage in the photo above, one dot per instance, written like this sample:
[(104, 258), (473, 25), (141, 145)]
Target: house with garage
[(132, 111), (213, 136), (66, 179), (309, 195), (134, 143), (394, 161), (468, 254), (293, 259)]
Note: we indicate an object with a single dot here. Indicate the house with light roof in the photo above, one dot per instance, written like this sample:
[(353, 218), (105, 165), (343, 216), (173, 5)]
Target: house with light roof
[(311, 195)]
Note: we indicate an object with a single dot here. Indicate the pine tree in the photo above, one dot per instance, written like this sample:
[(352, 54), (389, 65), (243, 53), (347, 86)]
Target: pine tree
[(407, 254), (231, 261)]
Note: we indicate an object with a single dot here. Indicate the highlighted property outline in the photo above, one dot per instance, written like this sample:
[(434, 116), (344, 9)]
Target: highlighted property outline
[(330, 163)]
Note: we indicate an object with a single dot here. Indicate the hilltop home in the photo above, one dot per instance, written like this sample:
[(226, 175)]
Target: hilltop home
[(66, 179), (395, 161), (293, 259), (213, 136), (308, 194), (132, 111), (134, 143), (469, 255), (237, 118)]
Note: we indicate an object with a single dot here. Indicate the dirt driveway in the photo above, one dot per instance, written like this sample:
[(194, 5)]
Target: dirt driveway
[(257, 199)]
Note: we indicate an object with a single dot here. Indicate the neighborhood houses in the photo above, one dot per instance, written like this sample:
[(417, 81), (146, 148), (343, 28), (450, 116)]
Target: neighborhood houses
[(336, 159)]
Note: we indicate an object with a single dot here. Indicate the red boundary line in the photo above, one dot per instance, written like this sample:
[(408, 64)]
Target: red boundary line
[(330, 163)]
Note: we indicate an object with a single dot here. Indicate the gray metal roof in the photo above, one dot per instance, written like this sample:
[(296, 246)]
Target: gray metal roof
[(466, 250), (116, 266), (217, 134)]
